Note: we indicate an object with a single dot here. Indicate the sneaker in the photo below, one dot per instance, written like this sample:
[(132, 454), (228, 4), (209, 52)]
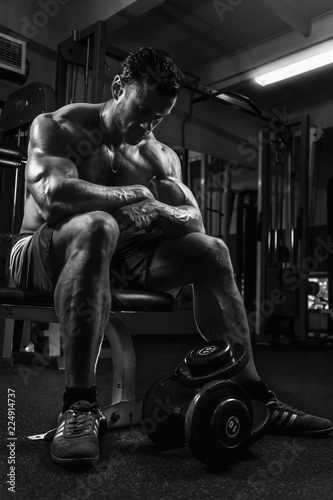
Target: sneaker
[(290, 421), (76, 438)]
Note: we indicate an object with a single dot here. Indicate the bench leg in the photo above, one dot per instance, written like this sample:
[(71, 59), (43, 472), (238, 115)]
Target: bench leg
[(124, 410), (6, 342), (50, 350), (26, 345)]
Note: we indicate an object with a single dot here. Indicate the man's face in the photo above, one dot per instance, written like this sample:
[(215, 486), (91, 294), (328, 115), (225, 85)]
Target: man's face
[(140, 108)]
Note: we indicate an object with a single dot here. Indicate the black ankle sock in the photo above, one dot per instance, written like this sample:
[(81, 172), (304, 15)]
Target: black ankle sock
[(74, 394), (257, 390)]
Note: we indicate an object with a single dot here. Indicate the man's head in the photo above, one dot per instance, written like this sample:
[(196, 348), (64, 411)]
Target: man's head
[(156, 67), (144, 91)]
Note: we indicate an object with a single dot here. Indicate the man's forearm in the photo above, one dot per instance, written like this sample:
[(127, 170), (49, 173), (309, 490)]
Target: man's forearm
[(75, 196), (177, 221)]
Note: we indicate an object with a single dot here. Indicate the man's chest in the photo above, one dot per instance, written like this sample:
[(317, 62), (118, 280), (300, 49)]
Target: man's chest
[(114, 168)]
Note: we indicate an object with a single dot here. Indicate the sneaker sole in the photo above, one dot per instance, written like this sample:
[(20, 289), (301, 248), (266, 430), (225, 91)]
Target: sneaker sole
[(72, 462), (287, 432)]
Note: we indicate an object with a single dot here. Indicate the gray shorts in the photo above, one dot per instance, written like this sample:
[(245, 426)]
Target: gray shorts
[(31, 270), (29, 262)]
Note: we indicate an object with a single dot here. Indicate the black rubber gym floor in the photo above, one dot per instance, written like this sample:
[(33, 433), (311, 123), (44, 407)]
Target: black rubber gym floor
[(131, 466)]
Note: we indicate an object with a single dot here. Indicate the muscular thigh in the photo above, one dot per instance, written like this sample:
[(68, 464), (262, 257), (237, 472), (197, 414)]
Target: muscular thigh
[(177, 261)]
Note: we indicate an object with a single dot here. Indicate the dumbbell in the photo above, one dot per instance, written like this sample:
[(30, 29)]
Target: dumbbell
[(200, 406)]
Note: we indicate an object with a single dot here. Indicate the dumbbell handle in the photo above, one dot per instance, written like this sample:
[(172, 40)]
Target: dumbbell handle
[(171, 409), (179, 411)]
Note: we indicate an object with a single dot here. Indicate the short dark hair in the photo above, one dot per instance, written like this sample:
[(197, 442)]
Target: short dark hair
[(155, 64)]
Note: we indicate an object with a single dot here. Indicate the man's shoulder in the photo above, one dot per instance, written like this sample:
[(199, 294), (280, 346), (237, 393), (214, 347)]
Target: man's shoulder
[(164, 159), (67, 120), (83, 113), (157, 147)]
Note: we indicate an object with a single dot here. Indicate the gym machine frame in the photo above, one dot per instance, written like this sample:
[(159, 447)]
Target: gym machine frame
[(92, 55), (298, 230)]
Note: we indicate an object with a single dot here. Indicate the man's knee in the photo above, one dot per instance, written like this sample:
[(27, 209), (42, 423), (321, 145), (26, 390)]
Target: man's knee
[(97, 229), (217, 254)]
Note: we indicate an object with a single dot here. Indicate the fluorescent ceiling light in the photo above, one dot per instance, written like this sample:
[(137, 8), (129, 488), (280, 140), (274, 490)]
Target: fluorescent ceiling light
[(297, 64)]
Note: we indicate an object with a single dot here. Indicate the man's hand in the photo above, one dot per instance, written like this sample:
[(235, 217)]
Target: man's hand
[(141, 192), (136, 216)]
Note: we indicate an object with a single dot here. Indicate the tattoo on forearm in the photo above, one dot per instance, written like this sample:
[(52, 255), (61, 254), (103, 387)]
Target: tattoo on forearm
[(183, 215)]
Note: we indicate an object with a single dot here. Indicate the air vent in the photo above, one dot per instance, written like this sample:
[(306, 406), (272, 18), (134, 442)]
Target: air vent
[(12, 54)]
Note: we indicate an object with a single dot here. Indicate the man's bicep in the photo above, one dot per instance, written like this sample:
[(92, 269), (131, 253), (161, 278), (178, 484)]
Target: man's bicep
[(45, 174), (173, 192), (48, 161), (170, 188)]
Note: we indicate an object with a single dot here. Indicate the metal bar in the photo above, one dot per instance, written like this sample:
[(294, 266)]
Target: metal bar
[(281, 211), (250, 272), (70, 90), (86, 72), (329, 215), (226, 205), (293, 199), (289, 204), (221, 215), (240, 240), (264, 223), (10, 163), (237, 101), (210, 207), (304, 244), (12, 230), (61, 80), (13, 153), (97, 88), (203, 187), (274, 228), (232, 98)]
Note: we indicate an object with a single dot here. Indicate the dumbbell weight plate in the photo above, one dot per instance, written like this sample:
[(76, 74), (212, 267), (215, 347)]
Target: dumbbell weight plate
[(208, 357), (164, 409), (212, 360), (218, 423)]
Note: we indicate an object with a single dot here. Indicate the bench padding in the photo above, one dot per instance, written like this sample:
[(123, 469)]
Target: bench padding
[(122, 300)]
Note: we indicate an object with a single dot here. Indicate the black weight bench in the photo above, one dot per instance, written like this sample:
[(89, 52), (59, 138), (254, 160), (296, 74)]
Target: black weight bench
[(124, 409)]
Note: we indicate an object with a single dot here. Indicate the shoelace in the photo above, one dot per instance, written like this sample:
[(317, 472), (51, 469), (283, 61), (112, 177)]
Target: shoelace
[(276, 401), (80, 419)]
